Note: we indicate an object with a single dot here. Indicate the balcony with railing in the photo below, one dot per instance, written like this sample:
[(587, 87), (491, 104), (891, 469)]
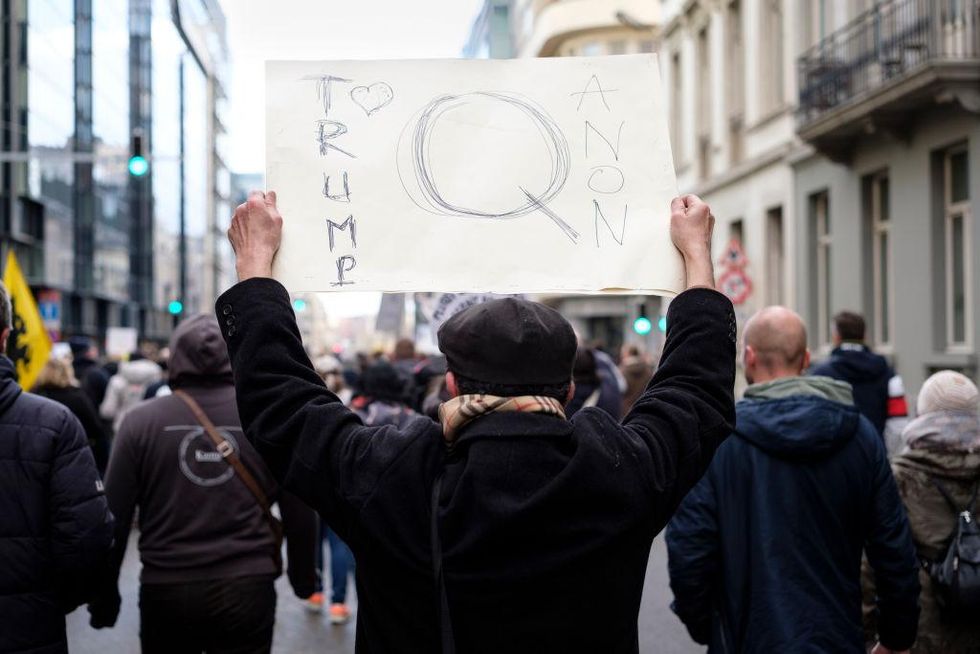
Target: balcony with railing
[(896, 58)]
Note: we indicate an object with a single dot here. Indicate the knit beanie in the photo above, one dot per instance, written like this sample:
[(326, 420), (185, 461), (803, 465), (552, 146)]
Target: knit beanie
[(948, 391)]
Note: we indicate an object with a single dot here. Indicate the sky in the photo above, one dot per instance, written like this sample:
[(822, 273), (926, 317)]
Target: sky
[(259, 30)]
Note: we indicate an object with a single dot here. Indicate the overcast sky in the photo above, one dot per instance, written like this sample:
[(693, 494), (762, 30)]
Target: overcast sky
[(328, 29)]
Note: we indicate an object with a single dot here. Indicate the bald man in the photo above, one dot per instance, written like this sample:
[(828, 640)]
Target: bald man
[(765, 551)]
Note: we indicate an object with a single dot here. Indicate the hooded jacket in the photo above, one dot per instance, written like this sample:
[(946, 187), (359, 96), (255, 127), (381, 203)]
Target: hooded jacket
[(55, 526), (197, 520), (933, 521), (878, 392), (765, 552), (127, 388)]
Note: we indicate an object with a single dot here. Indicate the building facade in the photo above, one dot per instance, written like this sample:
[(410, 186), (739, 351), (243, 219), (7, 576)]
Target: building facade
[(85, 85), (490, 36), (727, 68), (887, 196)]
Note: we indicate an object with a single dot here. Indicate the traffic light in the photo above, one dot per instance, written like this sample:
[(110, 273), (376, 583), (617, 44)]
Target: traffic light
[(662, 324), (138, 164), (642, 324), (175, 307), (299, 304)]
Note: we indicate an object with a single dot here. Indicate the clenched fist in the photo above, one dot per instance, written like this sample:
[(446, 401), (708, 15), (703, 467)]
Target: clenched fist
[(255, 235), (691, 226)]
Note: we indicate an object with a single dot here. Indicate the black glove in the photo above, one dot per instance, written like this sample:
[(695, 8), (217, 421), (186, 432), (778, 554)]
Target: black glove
[(104, 611)]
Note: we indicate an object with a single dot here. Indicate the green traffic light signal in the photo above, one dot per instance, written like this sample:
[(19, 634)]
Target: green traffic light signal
[(175, 307), (299, 304), (138, 166), (642, 325), (662, 324)]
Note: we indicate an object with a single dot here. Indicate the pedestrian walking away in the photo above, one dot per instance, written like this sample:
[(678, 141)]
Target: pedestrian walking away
[(879, 394), (209, 546), (127, 388), (55, 525), (938, 475), (765, 552), (499, 528), (92, 377), (57, 382)]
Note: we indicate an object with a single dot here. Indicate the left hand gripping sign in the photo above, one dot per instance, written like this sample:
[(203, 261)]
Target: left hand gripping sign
[(540, 175)]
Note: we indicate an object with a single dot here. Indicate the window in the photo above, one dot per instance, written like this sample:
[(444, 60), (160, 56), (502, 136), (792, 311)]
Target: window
[(775, 279), (736, 232), (957, 236), (704, 104), (647, 45), (815, 24), (617, 47), (881, 259), (735, 81), (820, 285), (676, 104), (772, 56), (591, 49)]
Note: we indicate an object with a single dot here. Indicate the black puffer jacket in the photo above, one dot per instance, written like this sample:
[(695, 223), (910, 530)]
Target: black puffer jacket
[(55, 525)]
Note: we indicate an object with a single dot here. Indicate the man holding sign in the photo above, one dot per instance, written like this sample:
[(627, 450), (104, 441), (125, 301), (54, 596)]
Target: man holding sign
[(507, 527)]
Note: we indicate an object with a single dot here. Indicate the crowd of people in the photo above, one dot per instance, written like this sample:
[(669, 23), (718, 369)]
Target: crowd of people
[(482, 498)]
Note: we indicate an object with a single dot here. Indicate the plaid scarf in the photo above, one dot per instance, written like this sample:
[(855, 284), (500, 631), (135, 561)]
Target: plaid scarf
[(464, 409)]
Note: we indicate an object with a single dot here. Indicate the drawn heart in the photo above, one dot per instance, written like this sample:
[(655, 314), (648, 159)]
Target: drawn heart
[(373, 97)]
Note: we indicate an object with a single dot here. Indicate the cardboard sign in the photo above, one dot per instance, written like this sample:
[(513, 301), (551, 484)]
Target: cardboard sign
[(120, 342), (507, 176)]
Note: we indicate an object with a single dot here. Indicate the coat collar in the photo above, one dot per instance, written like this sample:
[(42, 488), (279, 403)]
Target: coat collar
[(514, 425)]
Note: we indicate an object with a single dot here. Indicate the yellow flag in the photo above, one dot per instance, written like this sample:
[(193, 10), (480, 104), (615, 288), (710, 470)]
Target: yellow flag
[(29, 344)]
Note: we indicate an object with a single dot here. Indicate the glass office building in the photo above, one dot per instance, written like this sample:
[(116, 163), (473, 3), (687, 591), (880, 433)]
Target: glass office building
[(81, 82)]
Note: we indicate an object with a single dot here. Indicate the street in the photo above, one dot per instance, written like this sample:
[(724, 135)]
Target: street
[(299, 632)]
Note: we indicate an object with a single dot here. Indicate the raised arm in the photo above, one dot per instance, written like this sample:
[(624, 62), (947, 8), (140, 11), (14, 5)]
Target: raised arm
[(689, 407), (314, 446)]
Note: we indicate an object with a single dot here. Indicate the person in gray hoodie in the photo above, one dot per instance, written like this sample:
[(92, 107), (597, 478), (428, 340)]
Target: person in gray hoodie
[(209, 552)]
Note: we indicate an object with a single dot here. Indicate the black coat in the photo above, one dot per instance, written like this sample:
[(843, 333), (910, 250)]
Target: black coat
[(542, 520), (92, 377), (79, 403), (765, 552), (55, 525)]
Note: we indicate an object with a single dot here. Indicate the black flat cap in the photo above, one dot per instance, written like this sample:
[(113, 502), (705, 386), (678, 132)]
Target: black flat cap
[(509, 341)]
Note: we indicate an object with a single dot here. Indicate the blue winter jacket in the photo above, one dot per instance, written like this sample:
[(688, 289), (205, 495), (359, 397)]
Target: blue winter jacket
[(55, 525), (765, 551), (869, 376)]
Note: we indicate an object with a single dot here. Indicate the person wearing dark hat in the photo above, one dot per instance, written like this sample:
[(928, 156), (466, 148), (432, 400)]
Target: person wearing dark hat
[(589, 389), (92, 378), (383, 396), (500, 527)]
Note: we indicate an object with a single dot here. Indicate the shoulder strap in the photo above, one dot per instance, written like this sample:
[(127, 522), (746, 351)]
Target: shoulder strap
[(949, 500), (446, 625), (592, 399), (227, 452), (942, 491), (973, 500)]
